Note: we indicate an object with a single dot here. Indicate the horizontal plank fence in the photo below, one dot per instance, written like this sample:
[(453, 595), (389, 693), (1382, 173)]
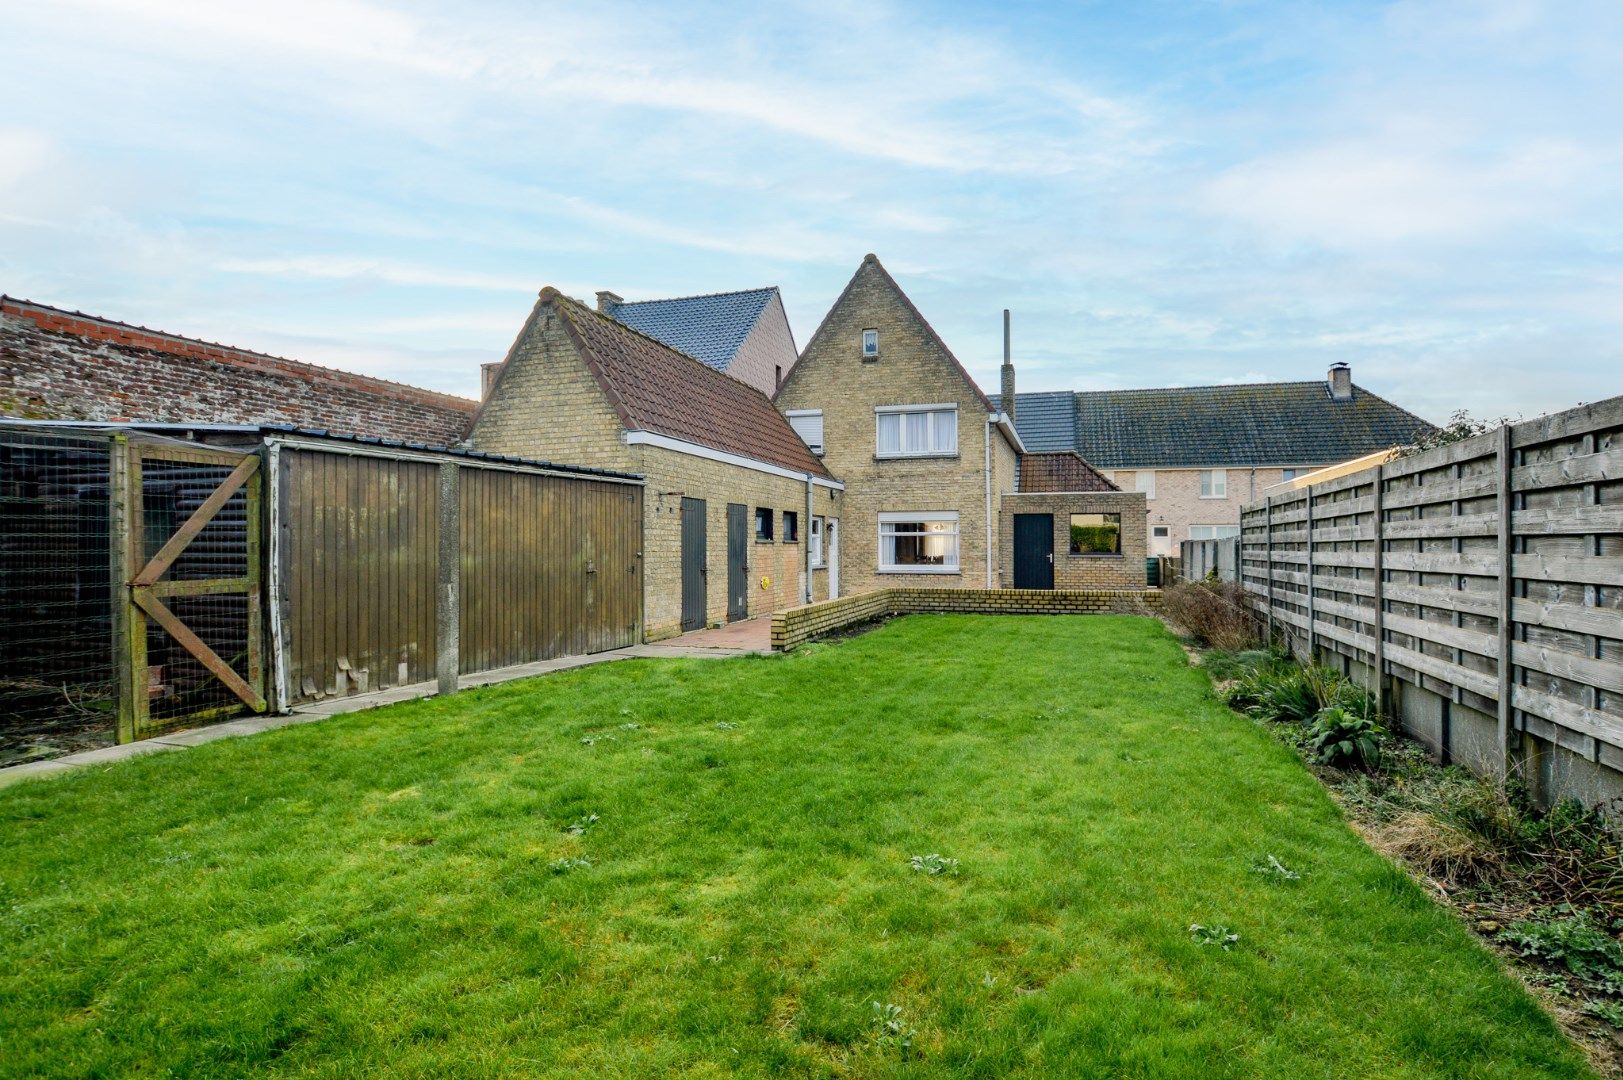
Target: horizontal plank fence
[(1476, 587)]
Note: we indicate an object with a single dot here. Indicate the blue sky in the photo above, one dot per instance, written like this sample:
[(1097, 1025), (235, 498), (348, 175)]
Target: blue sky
[(1164, 193)]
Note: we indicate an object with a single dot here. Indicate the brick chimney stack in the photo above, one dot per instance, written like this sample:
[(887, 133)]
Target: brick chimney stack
[(1008, 372), (607, 302), (1340, 382), (487, 377)]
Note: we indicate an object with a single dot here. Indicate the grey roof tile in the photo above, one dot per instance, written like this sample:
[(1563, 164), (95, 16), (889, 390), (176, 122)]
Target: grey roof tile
[(711, 328)]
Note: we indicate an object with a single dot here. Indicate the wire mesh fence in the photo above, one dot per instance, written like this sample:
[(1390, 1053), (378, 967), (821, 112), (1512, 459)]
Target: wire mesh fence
[(56, 664)]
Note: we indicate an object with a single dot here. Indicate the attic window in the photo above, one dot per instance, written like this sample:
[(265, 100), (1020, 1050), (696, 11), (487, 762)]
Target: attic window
[(870, 344)]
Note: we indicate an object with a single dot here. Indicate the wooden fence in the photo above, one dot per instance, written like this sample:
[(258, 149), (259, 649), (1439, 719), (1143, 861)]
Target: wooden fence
[(1198, 559), (1477, 587)]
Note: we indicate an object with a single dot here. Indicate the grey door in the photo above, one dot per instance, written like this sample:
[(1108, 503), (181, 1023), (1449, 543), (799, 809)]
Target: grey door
[(694, 568), (1034, 551), (738, 570)]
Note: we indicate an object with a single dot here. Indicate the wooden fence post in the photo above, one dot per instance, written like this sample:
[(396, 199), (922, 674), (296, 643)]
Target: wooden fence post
[(1379, 624), (127, 682), (1507, 589), (448, 613)]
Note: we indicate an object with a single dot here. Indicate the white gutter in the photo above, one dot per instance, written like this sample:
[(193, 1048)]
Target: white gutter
[(1007, 426), (682, 446)]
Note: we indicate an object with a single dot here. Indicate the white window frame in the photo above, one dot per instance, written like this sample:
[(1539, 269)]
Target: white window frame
[(1215, 481), (1217, 532), (806, 416), (814, 542), (1144, 480), (904, 516), (870, 343), (902, 412)]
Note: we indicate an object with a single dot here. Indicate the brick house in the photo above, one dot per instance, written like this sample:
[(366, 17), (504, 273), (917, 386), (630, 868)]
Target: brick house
[(1200, 453), (740, 518), (65, 365)]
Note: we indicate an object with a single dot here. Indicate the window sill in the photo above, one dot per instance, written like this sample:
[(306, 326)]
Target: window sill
[(1094, 555), (764, 541), (1214, 498), (919, 570)]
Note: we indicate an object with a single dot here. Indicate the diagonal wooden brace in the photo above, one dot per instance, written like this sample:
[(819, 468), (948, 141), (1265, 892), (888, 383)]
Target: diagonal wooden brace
[(196, 646), (153, 570)]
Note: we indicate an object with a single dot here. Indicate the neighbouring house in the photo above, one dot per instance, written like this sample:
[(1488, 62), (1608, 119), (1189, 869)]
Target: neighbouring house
[(740, 517), (745, 333), (931, 466), (65, 365), (1198, 454)]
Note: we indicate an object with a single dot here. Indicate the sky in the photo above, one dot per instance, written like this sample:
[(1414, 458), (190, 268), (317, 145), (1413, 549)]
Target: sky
[(1165, 194)]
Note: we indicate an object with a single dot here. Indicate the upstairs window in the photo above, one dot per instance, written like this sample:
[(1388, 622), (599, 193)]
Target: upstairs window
[(916, 431), (763, 524), (1287, 475), (1214, 483), (791, 527), (1143, 480), (870, 344), (808, 424)]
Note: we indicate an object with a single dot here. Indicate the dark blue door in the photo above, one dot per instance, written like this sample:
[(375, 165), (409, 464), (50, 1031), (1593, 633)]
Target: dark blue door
[(1034, 551)]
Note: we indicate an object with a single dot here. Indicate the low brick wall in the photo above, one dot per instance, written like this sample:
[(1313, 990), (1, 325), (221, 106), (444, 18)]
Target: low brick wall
[(801, 624)]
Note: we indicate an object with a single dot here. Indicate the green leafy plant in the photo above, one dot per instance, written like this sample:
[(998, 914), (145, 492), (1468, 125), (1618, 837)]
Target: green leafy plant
[(893, 1030), (1214, 935), (1345, 739), (579, 826), (1609, 1011), (1459, 427), (933, 864), (1275, 869), (1572, 940), (566, 864)]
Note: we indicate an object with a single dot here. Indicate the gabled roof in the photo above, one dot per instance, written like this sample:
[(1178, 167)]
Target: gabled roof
[(712, 327), (1061, 470), (655, 388), (1283, 423)]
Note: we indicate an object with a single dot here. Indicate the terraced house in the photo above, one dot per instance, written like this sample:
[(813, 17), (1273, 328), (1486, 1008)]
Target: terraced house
[(1199, 453)]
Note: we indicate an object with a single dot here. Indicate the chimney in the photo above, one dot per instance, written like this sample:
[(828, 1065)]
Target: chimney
[(607, 301), (1340, 381), (1008, 372), (487, 378)]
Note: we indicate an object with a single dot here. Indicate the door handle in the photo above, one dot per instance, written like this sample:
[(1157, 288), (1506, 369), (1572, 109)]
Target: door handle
[(1050, 556)]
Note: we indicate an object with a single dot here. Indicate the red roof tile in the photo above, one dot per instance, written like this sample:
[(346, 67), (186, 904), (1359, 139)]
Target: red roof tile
[(1061, 470), (655, 388)]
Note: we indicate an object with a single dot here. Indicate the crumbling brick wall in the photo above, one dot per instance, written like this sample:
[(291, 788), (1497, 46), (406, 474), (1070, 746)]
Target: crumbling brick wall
[(60, 365)]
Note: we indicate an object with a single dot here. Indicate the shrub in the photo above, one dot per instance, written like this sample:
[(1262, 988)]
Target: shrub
[(1224, 665), (1216, 614), (1345, 739)]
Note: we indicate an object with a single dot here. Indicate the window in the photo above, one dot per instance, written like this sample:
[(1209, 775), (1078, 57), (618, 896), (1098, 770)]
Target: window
[(916, 430), (1213, 532), (1143, 480), (1095, 534), (1286, 475), (777, 374), (808, 424), (763, 524), (791, 527), (1160, 531), (918, 543), (814, 546), (1214, 484), (870, 344)]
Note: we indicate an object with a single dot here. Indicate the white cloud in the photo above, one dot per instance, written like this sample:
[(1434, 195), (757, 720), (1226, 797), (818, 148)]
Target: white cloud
[(386, 271)]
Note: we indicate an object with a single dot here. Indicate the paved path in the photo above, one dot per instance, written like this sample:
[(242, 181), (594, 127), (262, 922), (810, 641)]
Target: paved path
[(728, 641)]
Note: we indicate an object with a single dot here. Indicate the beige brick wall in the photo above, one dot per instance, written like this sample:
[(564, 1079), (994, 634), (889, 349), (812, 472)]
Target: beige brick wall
[(776, 569), (911, 369), (548, 405), (797, 625), (1124, 571), (1178, 505)]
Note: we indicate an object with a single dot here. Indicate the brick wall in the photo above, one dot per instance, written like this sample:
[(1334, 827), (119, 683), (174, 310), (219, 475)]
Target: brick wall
[(1123, 571), (912, 369), (801, 624), (58, 365)]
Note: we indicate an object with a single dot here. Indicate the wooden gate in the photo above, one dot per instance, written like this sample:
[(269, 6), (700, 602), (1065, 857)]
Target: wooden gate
[(185, 588)]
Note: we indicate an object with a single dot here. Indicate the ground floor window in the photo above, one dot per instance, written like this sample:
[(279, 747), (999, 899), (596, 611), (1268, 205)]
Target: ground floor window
[(791, 527), (763, 523), (1095, 534), (814, 546), (1213, 532), (919, 543)]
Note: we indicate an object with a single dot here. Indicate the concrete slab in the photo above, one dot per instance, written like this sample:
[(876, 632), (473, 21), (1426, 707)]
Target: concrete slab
[(33, 770), (123, 752)]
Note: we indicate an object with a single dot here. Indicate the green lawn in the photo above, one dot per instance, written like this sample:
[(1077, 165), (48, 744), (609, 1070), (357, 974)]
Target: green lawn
[(376, 894)]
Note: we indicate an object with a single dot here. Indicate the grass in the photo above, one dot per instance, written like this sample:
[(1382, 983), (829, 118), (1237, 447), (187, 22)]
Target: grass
[(423, 890)]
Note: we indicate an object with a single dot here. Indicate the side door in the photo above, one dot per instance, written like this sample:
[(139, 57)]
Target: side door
[(1034, 551), (738, 570), (695, 568)]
